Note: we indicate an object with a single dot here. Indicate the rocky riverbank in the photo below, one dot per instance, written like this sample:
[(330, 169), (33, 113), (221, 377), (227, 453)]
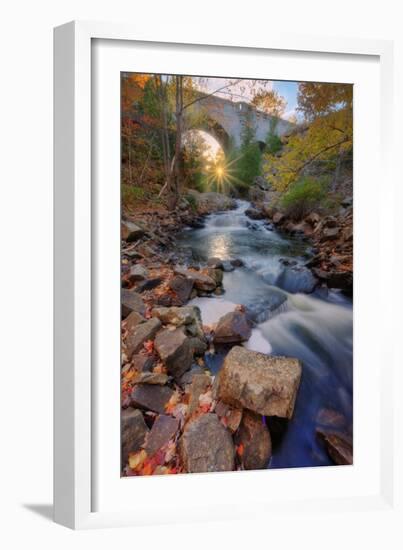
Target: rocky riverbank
[(330, 234), (176, 415)]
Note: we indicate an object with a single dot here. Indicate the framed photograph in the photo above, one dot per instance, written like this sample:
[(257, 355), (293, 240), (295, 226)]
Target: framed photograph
[(219, 235)]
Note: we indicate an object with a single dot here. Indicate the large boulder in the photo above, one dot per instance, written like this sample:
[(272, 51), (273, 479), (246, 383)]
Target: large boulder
[(211, 202), (182, 286), (151, 397), (137, 336), (131, 301), (200, 281), (264, 384), (206, 446), (175, 350), (297, 279), (254, 440), (232, 328), (134, 431), (131, 232)]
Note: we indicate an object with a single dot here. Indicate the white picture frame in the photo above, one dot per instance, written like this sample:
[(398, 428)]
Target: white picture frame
[(77, 212)]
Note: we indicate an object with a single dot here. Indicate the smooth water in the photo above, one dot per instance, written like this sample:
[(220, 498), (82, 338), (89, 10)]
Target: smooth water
[(317, 328)]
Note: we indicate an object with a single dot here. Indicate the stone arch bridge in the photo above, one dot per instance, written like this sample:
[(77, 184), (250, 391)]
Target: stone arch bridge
[(225, 120)]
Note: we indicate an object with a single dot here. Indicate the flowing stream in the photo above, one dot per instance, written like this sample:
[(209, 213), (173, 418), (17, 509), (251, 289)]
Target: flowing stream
[(317, 328)]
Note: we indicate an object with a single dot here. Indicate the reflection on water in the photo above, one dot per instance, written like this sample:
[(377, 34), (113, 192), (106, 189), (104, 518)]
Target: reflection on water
[(317, 330)]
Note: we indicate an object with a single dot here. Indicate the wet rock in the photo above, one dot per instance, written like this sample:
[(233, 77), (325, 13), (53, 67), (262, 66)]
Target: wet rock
[(198, 345), (134, 431), (255, 439), (143, 363), (216, 275), (200, 383), (149, 284), (339, 447), (254, 214), (297, 279), (200, 281), (342, 280), (175, 350), (152, 378), (264, 384), (215, 263), (206, 446), (232, 328), (164, 429), (130, 231), (237, 262), (138, 273), (131, 301), (136, 338), (151, 397), (182, 286)]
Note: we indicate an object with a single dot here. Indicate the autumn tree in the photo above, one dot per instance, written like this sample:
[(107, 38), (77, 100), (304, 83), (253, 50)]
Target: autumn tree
[(326, 134)]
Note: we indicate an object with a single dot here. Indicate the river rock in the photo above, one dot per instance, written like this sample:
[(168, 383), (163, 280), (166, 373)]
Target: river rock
[(138, 273), (143, 363), (151, 397), (158, 378), (215, 263), (200, 281), (216, 274), (149, 284), (232, 328), (133, 320), (134, 431), (178, 316), (164, 429), (211, 202), (198, 345), (131, 232), (297, 279), (237, 262), (182, 286), (255, 439), (264, 384), (339, 447), (131, 301), (200, 383), (254, 214), (136, 338), (206, 446), (175, 350)]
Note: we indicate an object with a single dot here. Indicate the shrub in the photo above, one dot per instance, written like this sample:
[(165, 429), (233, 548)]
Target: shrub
[(248, 165), (191, 199), (131, 194), (273, 144), (305, 195)]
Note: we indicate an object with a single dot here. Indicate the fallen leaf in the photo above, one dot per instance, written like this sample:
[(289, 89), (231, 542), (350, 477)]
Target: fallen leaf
[(136, 460)]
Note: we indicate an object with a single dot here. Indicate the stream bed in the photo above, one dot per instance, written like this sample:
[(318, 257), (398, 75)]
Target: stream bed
[(317, 328)]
